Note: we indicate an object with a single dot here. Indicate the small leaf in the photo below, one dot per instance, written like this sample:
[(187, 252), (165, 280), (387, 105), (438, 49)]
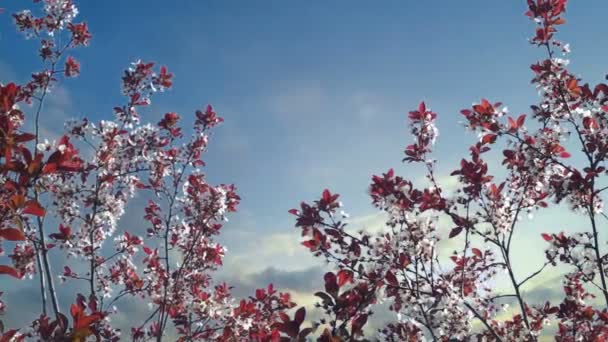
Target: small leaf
[(344, 276), (477, 252), (310, 244), (284, 317), (300, 315), (547, 237), (331, 284), (325, 297), (17, 201), (24, 137), (303, 333), (8, 336), (326, 195), (10, 271), (32, 207), (455, 231), (391, 279), (63, 322), (290, 328), (422, 107), (358, 323), (520, 120), (12, 234), (488, 139)]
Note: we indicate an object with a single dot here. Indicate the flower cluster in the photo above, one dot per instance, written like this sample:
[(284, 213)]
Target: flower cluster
[(401, 263), (67, 197)]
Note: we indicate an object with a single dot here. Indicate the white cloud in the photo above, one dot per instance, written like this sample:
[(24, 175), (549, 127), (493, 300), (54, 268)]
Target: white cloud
[(297, 101)]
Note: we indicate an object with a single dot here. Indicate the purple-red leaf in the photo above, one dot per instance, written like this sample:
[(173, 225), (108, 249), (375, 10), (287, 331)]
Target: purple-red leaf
[(12, 234), (455, 231), (32, 207), (4, 269)]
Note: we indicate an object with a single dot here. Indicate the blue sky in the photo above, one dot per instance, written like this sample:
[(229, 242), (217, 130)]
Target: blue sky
[(314, 93)]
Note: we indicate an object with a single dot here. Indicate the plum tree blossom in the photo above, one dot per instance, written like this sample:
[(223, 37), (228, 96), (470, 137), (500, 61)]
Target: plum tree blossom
[(85, 180), (400, 265)]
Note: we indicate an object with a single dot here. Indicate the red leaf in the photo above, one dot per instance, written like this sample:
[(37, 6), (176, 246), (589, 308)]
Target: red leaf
[(404, 260), (326, 195), (455, 231), (358, 323), (284, 317), (512, 124), (10, 271), (547, 237), (260, 294), (391, 279), (590, 123), (87, 320), (344, 276), (24, 137), (573, 87), (32, 207), (310, 244), (300, 315), (303, 333), (12, 234), (76, 311), (8, 336), (325, 297), (488, 139), (477, 252), (422, 107), (331, 284), (81, 319), (589, 312), (290, 328), (520, 120), (515, 125), (71, 166)]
